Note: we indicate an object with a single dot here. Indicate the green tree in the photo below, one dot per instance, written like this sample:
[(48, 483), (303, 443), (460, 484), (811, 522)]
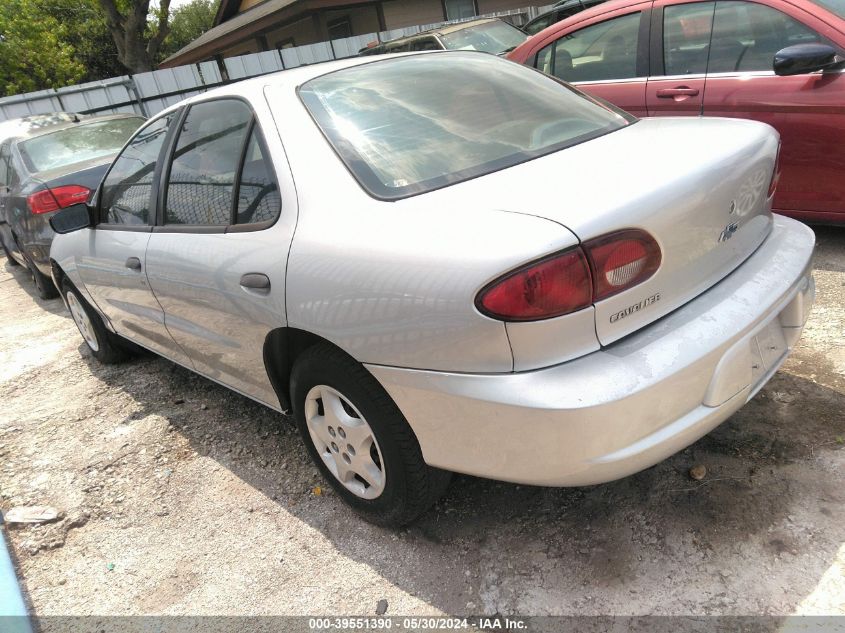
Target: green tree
[(34, 52), (87, 34), (187, 23)]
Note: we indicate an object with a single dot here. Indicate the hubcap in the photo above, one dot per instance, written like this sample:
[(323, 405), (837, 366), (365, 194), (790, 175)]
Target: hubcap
[(80, 317), (345, 442)]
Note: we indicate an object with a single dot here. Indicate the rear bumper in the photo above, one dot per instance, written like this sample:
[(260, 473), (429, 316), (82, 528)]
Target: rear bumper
[(630, 405)]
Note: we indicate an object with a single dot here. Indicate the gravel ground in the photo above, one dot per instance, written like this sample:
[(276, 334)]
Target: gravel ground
[(180, 497)]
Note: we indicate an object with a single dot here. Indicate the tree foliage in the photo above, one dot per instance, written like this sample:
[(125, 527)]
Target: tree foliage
[(34, 50), (54, 43), (187, 23)]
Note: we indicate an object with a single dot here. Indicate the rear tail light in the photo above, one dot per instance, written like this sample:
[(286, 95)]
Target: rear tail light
[(773, 183), (48, 200), (572, 280), (550, 287), (621, 260)]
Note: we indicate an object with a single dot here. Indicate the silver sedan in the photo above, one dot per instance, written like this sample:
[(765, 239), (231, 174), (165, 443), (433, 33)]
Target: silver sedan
[(446, 262)]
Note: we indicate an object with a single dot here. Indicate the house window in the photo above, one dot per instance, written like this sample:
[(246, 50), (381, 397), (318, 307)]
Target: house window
[(288, 42), (458, 9), (340, 28)]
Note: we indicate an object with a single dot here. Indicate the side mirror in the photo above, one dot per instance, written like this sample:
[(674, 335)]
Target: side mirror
[(804, 58), (72, 218)]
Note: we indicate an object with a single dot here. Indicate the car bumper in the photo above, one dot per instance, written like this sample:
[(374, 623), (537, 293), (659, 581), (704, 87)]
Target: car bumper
[(630, 405)]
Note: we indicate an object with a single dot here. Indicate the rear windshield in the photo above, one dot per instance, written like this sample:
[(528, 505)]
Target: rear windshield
[(834, 6), (488, 37), (77, 144), (412, 124)]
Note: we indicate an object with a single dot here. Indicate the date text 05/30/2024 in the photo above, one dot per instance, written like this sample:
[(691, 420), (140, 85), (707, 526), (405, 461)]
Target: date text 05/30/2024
[(492, 623)]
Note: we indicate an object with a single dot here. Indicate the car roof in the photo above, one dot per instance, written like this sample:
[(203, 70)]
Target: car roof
[(591, 11), (443, 29), (41, 131)]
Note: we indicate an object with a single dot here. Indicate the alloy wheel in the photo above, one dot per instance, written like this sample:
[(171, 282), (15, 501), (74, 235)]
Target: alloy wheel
[(345, 442)]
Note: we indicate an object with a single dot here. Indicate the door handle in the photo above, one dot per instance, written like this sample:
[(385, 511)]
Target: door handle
[(680, 91), (255, 281), (134, 263)]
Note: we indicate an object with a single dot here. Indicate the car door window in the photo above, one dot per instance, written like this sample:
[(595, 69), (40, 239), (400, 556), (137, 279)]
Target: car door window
[(686, 37), (599, 52), (127, 189), (203, 172), (258, 193), (747, 35)]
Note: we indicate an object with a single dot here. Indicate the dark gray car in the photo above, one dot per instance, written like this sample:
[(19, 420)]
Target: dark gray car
[(44, 169)]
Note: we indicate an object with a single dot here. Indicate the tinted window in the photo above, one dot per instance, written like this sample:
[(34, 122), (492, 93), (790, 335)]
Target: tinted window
[(488, 37), (128, 186), (686, 37), (258, 194), (79, 143), (599, 52), (200, 187), (746, 36), (400, 133)]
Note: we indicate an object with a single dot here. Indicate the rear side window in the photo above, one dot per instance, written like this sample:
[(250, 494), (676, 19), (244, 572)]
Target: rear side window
[(599, 52), (127, 189), (220, 173), (201, 184), (686, 37), (258, 194)]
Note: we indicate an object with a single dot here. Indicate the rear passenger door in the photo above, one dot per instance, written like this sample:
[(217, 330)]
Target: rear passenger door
[(216, 260), (607, 58), (680, 43)]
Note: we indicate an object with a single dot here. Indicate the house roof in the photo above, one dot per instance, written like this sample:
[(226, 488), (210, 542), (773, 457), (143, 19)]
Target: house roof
[(230, 27)]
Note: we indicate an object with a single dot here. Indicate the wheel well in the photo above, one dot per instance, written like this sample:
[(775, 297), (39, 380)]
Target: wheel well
[(281, 349)]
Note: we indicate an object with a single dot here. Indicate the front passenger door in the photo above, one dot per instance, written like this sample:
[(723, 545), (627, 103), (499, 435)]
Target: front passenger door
[(112, 263)]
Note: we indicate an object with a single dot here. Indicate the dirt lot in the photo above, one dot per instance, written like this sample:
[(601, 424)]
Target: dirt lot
[(180, 497)]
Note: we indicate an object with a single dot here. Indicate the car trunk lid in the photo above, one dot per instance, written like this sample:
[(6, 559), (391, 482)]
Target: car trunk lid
[(698, 186)]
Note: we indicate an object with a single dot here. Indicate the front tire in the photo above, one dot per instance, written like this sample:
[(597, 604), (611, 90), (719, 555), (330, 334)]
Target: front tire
[(359, 439), (105, 346)]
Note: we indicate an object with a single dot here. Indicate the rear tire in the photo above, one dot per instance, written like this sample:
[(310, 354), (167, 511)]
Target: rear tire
[(12, 261), (43, 284), (338, 404), (105, 346)]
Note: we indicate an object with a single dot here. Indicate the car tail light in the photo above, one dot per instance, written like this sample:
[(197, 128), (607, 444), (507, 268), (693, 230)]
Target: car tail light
[(621, 260), (48, 200), (572, 280), (547, 288), (773, 183)]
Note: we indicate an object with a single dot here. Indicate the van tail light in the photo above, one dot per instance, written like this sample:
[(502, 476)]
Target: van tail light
[(773, 183), (550, 287), (621, 260), (573, 279), (48, 200)]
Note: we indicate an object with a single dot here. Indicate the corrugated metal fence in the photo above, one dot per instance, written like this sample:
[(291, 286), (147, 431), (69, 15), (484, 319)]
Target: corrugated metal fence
[(149, 93)]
